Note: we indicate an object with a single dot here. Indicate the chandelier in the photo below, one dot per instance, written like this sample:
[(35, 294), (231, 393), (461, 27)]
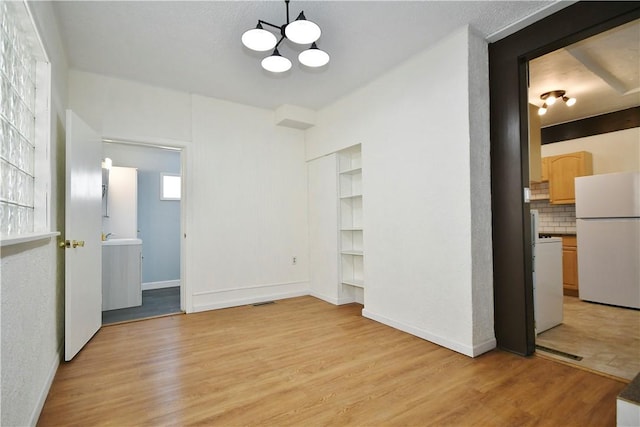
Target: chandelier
[(300, 31), (550, 98)]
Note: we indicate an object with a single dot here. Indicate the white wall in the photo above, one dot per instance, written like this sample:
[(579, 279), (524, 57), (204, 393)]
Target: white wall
[(480, 195), (32, 274), (246, 192), (122, 109), (424, 130), (30, 340), (247, 206), (612, 152)]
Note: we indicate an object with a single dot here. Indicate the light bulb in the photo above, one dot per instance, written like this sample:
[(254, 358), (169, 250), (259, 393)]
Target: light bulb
[(302, 31), (551, 99), (570, 101), (542, 110), (313, 57), (259, 39), (276, 63)]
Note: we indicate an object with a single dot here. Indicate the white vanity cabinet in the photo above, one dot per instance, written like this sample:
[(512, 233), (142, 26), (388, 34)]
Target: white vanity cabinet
[(121, 273)]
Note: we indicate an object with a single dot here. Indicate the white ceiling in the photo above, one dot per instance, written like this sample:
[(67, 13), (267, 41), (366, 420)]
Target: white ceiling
[(195, 46), (601, 72)]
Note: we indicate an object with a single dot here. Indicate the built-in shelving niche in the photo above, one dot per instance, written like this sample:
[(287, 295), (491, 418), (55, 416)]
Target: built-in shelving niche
[(351, 228)]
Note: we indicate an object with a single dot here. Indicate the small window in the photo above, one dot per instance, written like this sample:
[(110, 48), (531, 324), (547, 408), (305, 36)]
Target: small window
[(170, 186)]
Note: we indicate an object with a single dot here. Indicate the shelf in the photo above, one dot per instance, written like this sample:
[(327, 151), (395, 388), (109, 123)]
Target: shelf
[(539, 197), (350, 196), (352, 252), (356, 283), (351, 171)]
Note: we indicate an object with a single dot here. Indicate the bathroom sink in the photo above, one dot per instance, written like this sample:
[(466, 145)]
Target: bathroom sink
[(117, 242)]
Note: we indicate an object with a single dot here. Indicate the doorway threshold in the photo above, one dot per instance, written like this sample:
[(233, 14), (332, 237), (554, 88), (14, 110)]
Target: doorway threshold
[(142, 318)]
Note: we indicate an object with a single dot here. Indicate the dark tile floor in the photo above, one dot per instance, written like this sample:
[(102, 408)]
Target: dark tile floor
[(155, 302)]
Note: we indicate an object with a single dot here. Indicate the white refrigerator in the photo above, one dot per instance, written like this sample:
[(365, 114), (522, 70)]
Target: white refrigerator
[(608, 227)]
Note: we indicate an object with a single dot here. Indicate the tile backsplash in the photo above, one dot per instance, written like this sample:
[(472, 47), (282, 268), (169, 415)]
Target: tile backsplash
[(555, 219), (540, 191)]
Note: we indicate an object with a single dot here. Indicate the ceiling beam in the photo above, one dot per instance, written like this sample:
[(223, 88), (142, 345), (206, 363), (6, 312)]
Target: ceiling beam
[(599, 70)]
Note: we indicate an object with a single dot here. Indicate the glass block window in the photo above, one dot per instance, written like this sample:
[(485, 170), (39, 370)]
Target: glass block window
[(17, 123)]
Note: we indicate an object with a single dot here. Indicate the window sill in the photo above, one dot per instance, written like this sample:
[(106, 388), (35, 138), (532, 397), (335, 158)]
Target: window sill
[(25, 238)]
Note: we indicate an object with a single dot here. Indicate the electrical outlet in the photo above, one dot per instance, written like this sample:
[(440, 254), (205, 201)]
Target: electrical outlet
[(294, 260)]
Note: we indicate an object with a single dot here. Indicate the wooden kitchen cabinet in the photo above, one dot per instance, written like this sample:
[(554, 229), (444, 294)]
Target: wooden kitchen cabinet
[(535, 151), (562, 170), (570, 265), (544, 170)]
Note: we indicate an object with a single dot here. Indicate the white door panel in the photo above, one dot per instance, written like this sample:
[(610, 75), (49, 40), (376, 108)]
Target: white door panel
[(83, 263)]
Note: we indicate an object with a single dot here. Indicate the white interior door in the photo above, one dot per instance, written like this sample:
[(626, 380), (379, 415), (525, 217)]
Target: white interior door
[(83, 223)]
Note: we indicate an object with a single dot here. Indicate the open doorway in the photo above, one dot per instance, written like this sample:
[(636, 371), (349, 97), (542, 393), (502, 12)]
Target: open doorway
[(508, 58), (142, 208), (597, 82)]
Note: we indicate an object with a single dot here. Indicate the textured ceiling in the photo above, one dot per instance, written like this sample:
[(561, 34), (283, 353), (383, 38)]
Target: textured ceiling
[(195, 46), (601, 72)]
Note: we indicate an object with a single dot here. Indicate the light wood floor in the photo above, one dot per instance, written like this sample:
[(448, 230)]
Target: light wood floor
[(606, 337), (305, 362)]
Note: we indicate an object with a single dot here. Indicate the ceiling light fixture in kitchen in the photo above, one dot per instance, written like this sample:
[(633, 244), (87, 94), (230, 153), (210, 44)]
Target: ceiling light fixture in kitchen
[(300, 31), (551, 97)]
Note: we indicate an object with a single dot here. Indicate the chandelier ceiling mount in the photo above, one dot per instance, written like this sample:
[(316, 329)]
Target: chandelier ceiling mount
[(550, 98), (300, 31)]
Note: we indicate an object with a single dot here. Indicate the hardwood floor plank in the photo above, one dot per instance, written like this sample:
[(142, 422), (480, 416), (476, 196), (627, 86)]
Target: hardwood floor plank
[(305, 362)]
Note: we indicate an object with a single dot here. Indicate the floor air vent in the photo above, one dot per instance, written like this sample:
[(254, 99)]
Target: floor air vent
[(559, 352), (258, 304)]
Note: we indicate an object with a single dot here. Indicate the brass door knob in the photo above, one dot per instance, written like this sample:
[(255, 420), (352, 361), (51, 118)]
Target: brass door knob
[(71, 244)]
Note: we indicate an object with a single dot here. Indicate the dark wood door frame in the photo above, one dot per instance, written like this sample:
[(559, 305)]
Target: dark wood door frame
[(508, 59)]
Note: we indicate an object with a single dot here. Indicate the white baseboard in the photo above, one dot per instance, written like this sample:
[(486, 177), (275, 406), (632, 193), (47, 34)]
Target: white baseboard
[(484, 347), (332, 300), (346, 300), (225, 298), (35, 415), (326, 298), (467, 350), (160, 285), (247, 301)]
